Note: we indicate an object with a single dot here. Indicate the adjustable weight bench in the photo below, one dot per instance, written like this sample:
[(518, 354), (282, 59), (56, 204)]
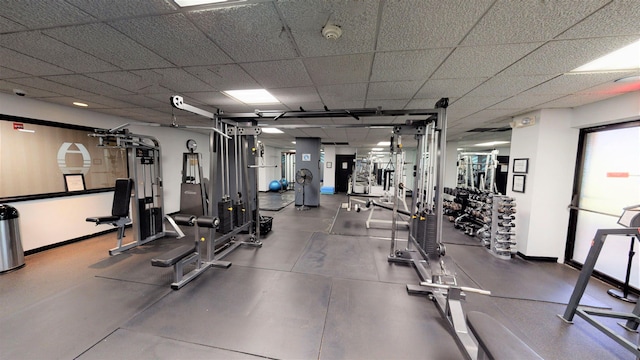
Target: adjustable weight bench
[(188, 254), (495, 341), (119, 210)]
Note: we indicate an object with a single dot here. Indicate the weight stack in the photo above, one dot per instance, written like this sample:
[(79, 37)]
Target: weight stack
[(225, 213), (431, 235), (239, 213)]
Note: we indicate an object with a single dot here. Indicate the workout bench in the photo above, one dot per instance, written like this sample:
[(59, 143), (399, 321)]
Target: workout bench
[(188, 254), (119, 210)]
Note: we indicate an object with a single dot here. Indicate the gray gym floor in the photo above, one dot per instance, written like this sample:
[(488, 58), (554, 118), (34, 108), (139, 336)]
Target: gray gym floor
[(313, 291)]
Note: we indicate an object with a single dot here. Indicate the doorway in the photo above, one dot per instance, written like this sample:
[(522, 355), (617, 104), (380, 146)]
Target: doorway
[(344, 169)]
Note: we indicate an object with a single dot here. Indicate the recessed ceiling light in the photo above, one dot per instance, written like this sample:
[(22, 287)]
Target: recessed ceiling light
[(627, 58), (384, 143), (252, 96), (270, 130), (492, 143), (377, 149), (293, 142), (185, 3), (76, 103)]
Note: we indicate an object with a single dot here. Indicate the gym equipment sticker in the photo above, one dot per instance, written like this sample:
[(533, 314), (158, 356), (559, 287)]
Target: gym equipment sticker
[(65, 149)]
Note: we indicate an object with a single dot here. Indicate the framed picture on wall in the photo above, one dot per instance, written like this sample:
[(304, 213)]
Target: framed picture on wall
[(520, 166), (74, 182), (518, 183)]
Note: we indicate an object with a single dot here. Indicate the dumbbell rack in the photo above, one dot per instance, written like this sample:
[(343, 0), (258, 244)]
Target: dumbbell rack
[(501, 241)]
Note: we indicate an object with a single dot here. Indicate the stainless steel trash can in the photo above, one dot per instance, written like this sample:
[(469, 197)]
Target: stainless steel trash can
[(11, 254)]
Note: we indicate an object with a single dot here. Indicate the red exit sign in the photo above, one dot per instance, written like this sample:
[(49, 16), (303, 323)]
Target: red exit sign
[(18, 126)]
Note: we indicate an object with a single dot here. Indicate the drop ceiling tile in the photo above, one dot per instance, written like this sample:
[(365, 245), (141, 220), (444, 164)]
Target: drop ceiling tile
[(571, 83), (423, 24), (174, 38), (42, 13), (108, 101), (50, 86), (407, 65), (393, 90), (576, 100), (617, 18), (6, 86), (386, 104), (509, 22), (6, 73), (223, 77), (489, 115), (68, 101), (106, 43), (86, 83), (141, 101), (439, 88), (559, 57), (347, 92), (27, 64), (40, 46), (611, 88), (508, 85), (7, 25), (126, 80), (314, 132), (482, 61), (296, 96), (112, 9), (281, 73), (175, 79), (336, 103), (308, 106), (339, 69), (468, 105), (212, 98), (524, 101), (425, 103), (357, 20), (247, 33)]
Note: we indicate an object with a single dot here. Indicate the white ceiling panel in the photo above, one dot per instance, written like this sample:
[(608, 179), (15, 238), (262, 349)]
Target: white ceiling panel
[(511, 21), (407, 65), (339, 69), (51, 86), (439, 88), (40, 46), (619, 17), (577, 100), (558, 57), (113, 9), (247, 33), (7, 86), (27, 64), (296, 96), (36, 14), (111, 102), (306, 18), (141, 101), (576, 82), (524, 101), (393, 90), (482, 61), (88, 84), (281, 73), (468, 105), (127, 80), (174, 38), (423, 24), (315, 132), (224, 77), (93, 105), (175, 79), (6, 73), (386, 104), (346, 92), (425, 103), (104, 42), (508, 85), (7, 25)]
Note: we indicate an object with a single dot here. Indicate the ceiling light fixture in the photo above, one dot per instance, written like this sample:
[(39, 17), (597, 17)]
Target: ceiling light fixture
[(377, 149), (384, 143), (76, 103), (626, 58), (252, 96), (270, 130), (493, 143), (187, 3)]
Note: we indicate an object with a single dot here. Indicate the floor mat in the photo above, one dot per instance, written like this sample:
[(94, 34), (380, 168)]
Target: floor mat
[(515, 279), (354, 223), (274, 201)]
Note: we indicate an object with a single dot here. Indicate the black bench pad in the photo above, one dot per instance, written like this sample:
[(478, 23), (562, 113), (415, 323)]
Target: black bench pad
[(496, 340), (170, 258), (103, 219)]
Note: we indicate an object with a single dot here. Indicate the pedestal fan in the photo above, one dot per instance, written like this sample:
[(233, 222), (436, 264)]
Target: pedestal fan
[(303, 177)]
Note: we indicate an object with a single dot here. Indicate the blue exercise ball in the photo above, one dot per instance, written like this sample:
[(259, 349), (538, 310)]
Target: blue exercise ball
[(274, 185), (284, 183)]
